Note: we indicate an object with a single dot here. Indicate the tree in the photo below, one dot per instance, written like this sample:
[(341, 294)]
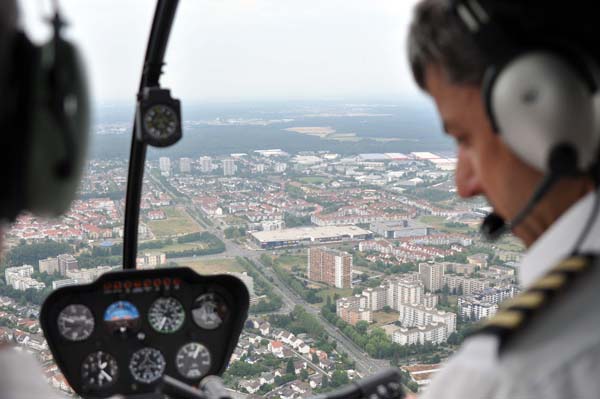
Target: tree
[(304, 375), (290, 369), (387, 309), (339, 378), (315, 359), (325, 381), (362, 327)]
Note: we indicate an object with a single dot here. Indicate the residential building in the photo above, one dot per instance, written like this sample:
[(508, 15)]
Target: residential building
[(432, 275), (164, 164), (420, 316), (376, 298), (206, 164), (67, 262), (229, 167), (353, 309), (400, 228), (185, 165), (330, 266), (48, 265)]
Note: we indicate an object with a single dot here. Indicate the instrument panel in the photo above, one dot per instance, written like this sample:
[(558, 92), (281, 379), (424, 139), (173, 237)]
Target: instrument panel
[(122, 333)]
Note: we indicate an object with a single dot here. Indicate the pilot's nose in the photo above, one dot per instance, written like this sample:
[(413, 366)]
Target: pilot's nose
[(467, 180)]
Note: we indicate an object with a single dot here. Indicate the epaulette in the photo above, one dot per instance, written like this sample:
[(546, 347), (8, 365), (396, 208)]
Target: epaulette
[(515, 314)]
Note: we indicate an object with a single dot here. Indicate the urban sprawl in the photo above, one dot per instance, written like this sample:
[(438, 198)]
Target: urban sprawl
[(353, 263)]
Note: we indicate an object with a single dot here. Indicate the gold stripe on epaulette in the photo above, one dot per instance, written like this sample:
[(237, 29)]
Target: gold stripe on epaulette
[(507, 319), (527, 300), (573, 264), (551, 282)]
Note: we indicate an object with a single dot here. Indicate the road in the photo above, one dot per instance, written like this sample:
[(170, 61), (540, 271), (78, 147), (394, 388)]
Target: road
[(364, 364)]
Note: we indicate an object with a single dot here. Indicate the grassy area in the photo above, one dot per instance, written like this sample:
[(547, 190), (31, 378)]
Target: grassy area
[(382, 318), (184, 246), (213, 266), (439, 223), (178, 222), (314, 180), (286, 262), (332, 291)]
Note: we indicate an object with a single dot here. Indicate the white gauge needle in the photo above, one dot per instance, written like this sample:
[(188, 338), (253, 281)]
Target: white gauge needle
[(196, 352), (162, 323), (105, 375)]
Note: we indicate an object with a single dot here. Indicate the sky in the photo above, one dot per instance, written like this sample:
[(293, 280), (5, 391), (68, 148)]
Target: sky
[(244, 50)]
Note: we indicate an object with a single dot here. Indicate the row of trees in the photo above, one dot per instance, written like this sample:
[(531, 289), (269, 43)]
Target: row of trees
[(261, 287)]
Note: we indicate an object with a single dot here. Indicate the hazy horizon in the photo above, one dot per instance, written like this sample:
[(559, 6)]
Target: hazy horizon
[(234, 51)]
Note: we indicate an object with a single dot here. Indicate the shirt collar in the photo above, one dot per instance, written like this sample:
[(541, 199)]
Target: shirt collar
[(558, 241)]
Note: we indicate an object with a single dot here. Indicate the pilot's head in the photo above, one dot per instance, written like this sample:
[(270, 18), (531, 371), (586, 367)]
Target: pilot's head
[(450, 65)]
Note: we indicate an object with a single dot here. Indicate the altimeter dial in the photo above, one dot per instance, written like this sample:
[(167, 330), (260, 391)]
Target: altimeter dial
[(76, 322), (193, 360), (166, 315), (147, 365), (99, 370)]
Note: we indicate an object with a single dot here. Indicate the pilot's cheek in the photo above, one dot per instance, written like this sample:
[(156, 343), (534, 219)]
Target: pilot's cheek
[(468, 183)]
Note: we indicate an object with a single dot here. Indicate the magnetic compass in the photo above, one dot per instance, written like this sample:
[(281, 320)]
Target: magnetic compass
[(158, 118)]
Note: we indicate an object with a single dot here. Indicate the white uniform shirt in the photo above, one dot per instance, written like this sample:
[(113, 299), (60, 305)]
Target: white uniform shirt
[(557, 356)]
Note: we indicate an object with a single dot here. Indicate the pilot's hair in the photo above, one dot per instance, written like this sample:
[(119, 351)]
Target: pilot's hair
[(8, 25), (437, 39), (8, 16)]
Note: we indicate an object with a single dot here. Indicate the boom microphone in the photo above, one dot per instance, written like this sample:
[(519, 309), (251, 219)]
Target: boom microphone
[(563, 163)]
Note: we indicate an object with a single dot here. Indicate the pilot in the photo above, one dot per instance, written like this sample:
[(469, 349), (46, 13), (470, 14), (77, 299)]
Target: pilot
[(24, 129), (514, 84)]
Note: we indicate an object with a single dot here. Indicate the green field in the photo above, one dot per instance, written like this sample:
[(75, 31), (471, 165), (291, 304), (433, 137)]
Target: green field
[(314, 180), (332, 291), (382, 318), (286, 262), (213, 266), (439, 223), (178, 222)]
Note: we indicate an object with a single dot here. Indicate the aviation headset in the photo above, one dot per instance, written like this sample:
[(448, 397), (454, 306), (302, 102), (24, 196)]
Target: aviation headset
[(539, 92), (44, 119)]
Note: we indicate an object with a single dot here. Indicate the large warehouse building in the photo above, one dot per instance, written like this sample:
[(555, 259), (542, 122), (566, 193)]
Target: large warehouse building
[(309, 236)]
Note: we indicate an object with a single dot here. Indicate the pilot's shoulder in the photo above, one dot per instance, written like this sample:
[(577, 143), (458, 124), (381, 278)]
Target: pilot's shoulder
[(559, 299), (476, 360)]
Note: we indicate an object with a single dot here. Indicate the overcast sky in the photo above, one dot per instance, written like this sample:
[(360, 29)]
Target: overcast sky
[(237, 50)]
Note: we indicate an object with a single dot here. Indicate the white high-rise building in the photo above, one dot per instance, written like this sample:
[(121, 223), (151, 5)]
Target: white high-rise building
[(229, 167), (376, 298), (432, 276), (206, 164), (280, 167), (48, 265), (406, 290), (185, 165), (165, 166)]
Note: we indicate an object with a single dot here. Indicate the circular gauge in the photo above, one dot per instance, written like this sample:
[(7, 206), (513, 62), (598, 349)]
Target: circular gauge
[(122, 317), (166, 315), (160, 121), (76, 322), (193, 360), (99, 370), (209, 311), (147, 365)]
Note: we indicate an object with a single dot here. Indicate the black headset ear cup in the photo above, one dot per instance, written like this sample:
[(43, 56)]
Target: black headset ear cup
[(487, 89), (16, 125), (60, 131)]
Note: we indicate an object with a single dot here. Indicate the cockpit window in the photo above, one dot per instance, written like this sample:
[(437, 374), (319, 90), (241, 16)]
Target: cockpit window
[(311, 168)]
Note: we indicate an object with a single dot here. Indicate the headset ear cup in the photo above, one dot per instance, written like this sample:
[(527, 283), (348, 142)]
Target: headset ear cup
[(59, 135), (540, 101), (487, 89)]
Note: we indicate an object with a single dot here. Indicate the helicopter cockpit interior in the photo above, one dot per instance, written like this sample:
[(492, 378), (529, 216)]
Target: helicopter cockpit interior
[(167, 332)]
